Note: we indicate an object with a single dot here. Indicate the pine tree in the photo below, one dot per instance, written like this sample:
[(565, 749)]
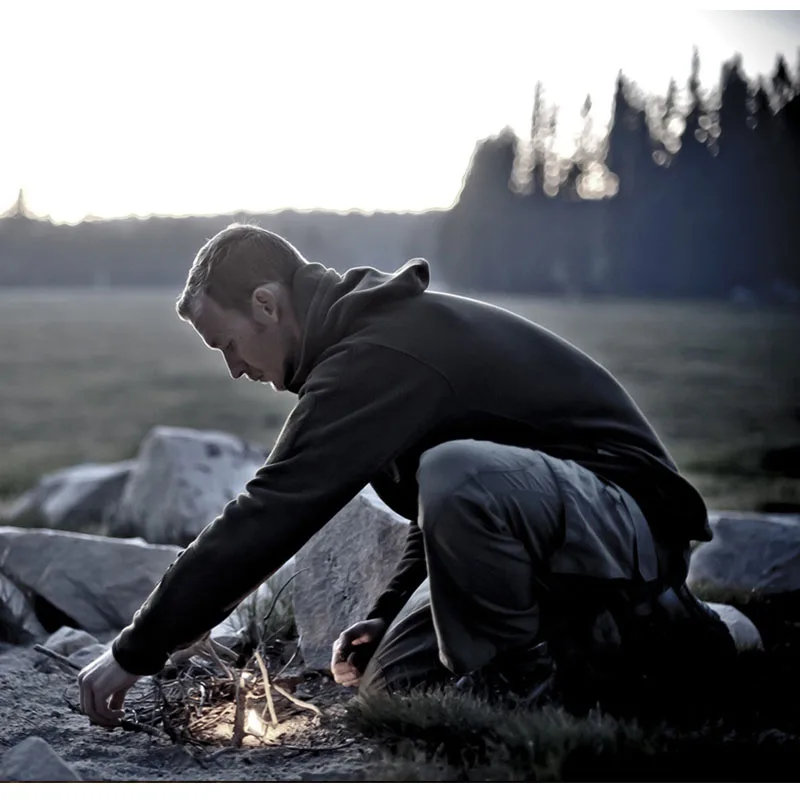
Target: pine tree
[(476, 245), (787, 162), (734, 188)]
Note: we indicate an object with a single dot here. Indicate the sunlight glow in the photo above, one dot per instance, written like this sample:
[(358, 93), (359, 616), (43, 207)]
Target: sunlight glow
[(178, 108)]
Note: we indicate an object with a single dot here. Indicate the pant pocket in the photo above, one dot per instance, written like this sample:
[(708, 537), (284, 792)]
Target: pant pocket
[(605, 535)]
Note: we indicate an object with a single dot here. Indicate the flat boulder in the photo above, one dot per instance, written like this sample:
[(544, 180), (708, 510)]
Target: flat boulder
[(750, 554), (18, 621), (342, 570), (66, 641), (73, 499), (98, 583), (181, 481), (33, 760)]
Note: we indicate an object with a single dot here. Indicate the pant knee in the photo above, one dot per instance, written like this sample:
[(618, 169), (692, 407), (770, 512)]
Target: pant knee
[(442, 470)]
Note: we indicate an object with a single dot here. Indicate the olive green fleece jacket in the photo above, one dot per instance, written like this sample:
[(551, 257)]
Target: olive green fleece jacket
[(386, 370)]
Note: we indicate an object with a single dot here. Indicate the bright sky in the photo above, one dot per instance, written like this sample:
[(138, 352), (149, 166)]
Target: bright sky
[(161, 107)]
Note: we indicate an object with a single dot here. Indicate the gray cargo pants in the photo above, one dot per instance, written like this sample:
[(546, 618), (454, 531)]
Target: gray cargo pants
[(508, 532)]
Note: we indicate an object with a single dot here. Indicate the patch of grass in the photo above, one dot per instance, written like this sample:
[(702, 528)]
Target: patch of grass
[(697, 717), (751, 733), (91, 372), (450, 735), (714, 594)]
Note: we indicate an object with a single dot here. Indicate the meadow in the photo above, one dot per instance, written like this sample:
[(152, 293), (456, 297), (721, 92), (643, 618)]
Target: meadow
[(84, 375)]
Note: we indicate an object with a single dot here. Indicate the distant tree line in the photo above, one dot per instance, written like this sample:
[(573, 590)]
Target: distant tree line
[(693, 194), (690, 194), (158, 251)]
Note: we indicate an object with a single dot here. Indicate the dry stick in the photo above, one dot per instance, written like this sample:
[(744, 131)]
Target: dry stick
[(278, 594), (309, 749), (289, 662), (297, 702), (169, 728), (57, 657), (238, 719), (211, 652), (265, 675), (320, 749)]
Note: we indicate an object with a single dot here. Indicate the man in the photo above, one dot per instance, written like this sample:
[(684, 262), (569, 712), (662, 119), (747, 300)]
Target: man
[(531, 480)]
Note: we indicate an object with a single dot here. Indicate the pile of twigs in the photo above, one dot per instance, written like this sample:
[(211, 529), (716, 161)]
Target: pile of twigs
[(204, 703)]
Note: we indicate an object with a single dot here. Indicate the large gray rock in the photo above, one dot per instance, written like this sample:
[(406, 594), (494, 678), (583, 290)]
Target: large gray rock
[(76, 498), (750, 554), (34, 760), (97, 582), (182, 480), (342, 571), (18, 621)]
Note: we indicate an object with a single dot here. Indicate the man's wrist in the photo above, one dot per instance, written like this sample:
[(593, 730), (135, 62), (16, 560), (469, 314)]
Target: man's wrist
[(126, 656)]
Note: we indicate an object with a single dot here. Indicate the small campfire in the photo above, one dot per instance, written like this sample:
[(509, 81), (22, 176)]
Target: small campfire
[(206, 703), (242, 707)]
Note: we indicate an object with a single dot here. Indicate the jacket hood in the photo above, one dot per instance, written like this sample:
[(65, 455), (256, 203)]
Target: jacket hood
[(327, 304)]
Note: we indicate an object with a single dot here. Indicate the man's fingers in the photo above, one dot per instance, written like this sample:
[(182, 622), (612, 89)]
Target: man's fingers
[(87, 704), (105, 711), (117, 701), (344, 673), (344, 670), (343, 645), (98, 709), (337, 653), (94, 699)]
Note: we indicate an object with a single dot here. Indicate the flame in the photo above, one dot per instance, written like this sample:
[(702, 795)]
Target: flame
[(254, 724)]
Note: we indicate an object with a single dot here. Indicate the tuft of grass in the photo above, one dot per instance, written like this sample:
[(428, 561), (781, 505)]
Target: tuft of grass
[(267, 613), (445, 734), (740, 598), (736, 719)]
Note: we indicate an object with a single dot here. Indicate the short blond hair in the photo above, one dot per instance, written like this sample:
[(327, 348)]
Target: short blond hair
[(233, 263)]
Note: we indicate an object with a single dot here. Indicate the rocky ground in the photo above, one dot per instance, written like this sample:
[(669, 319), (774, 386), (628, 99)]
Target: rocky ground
[(38, 704), (740, 723), (71, 591)]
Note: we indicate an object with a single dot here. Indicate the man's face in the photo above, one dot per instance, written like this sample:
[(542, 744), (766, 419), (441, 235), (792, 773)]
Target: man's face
[(254, 343)]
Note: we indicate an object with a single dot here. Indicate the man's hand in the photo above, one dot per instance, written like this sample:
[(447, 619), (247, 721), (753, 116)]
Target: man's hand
[(103, 685), (356, 643)]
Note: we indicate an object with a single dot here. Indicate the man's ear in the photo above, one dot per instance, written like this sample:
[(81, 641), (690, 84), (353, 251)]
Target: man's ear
[(264, 304)]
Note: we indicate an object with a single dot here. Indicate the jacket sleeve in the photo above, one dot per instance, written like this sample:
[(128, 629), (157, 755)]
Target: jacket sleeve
[(410, 573), (360, 407)]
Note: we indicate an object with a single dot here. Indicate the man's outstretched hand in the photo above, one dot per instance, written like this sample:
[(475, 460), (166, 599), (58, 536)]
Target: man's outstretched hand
[(103, 685), (353, 648)]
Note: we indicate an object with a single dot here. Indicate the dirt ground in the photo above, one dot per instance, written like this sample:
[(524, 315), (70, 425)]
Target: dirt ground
[(38, 704)]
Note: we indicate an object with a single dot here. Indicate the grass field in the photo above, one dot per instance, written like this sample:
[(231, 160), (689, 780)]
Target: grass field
[(85, 375)]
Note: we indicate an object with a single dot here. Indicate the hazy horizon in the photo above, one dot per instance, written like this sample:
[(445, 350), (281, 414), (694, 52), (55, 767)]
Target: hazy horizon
[(173, 110)]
